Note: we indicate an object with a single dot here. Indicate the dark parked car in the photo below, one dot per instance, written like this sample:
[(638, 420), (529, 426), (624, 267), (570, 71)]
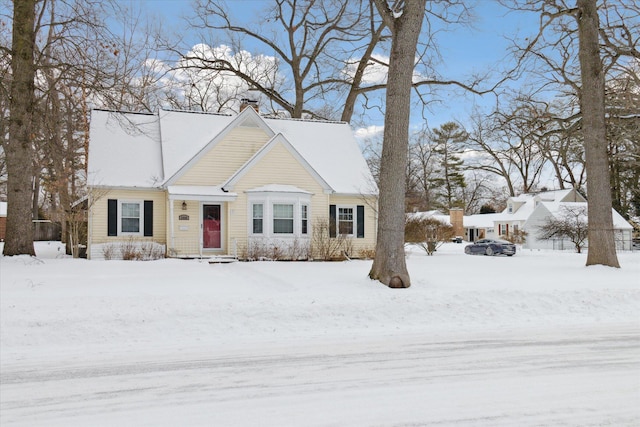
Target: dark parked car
[(491, 247)]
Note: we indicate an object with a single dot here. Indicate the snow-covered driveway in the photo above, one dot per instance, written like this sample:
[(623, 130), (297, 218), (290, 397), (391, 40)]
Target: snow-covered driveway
[(575, 377)]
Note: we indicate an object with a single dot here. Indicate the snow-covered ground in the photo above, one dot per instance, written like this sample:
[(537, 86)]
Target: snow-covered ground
[(537, 339)]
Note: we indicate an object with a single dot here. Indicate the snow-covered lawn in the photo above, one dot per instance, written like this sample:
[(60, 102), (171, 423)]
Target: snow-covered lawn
[(534, 339)]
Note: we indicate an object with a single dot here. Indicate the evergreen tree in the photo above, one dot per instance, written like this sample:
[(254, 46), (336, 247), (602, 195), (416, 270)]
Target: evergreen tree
[(448, 146)]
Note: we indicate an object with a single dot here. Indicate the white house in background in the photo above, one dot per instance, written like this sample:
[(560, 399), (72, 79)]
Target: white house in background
[(527, 212)]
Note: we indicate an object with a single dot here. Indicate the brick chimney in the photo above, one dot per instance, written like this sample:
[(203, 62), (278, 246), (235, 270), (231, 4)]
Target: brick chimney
[(246, 102), (456, 218)]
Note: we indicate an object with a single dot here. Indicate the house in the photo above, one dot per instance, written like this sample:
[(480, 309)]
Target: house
[(526, 212), (201, 184)]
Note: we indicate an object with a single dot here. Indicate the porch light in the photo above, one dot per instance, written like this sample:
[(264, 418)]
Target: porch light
[(184, 205)]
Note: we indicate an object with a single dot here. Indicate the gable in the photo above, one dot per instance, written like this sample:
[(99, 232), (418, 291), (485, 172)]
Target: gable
[(223, 159), (332, 151), (572, 196), (277, 163)]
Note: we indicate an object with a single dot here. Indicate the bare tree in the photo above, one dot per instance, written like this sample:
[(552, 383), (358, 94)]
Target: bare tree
[(572, 51), (602, 247), (570, 223), (404, 19), (19, 147), (309, 44), (422, 158), (623, 137)]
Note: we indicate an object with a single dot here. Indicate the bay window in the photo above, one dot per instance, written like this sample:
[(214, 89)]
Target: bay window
[(282, 219)]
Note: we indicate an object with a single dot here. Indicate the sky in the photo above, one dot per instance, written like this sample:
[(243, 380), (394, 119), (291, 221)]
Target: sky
[(475, 341), (465, 51)]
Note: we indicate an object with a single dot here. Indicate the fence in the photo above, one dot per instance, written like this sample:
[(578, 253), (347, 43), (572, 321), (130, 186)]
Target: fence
[(46, 230)]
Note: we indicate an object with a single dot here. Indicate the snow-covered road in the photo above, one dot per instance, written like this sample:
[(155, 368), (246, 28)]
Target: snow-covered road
[(580, 376)]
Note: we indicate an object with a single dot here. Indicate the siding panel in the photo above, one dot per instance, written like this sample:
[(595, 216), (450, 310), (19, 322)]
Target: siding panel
[(225, 158)]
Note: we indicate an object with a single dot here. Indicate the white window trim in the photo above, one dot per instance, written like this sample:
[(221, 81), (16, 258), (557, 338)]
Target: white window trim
[(354, 209), (304, 205), (141, 219), (251, 218), (294, 210), (268, 199)]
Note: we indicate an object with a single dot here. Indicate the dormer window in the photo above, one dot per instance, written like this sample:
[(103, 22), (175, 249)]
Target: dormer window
[(510, 208)]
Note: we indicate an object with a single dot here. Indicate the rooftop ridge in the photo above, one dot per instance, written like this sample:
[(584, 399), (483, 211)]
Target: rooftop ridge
[(209, 113), (109, 110)]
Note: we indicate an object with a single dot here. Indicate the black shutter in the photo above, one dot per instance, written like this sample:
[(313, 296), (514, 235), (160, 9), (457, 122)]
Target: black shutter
[(332, 220), (112, 217), (148, 217), (360, 220)]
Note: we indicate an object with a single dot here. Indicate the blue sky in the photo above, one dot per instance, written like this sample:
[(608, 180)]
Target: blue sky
[(464, 51)]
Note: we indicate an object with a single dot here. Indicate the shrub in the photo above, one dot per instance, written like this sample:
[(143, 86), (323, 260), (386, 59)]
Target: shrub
[(427, 233), (133, 249), (323, 246), (367, 253)]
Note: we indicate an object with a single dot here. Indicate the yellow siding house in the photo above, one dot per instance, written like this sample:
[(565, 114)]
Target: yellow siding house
[(242, 186)]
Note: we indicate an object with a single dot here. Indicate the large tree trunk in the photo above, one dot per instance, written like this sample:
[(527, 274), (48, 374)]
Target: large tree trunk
[(602, 249), (389, 266), (19, 147)]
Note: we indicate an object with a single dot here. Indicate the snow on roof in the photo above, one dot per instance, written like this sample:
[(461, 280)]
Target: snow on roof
[(437, 215), (198, 192), (556, 209), (331, 149), (124, 150), (481, 220), (184, 134), (277, 188), (143, 150), (525, 204)]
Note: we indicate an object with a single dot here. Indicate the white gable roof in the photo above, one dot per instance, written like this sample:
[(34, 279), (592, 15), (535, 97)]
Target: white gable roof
[(524, 204), (332, 151), (124, 150), (184, 135), (556, 209), (144, 150), (481, 220)]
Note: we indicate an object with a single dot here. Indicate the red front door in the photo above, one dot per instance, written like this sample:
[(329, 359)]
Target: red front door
[(211, 227)]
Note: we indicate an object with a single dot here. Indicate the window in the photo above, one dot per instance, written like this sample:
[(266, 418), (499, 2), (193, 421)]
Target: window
[(510, 208), (282, 219), (304, 216), (258, 215), (130, 217), (127, 217), (345, 221), (278, 214)]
